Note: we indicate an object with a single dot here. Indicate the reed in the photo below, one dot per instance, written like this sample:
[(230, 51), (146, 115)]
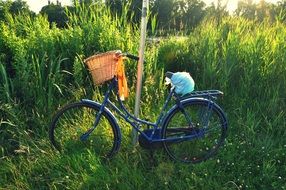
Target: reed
[(244, 59)]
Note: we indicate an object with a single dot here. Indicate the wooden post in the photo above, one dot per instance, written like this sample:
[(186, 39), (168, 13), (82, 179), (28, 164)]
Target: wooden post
[(140, 67)]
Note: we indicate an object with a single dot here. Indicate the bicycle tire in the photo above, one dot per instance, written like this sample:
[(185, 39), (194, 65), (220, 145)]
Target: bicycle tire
[(73, 120), (203, 136)]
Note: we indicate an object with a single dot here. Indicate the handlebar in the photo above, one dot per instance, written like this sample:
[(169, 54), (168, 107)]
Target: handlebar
[(134, 57)]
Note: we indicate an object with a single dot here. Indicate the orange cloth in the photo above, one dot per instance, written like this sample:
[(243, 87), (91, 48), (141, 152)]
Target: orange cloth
[(122, 82)]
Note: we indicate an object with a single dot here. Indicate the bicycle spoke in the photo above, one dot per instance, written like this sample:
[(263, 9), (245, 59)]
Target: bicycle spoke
[(195, 141), (72, 130)]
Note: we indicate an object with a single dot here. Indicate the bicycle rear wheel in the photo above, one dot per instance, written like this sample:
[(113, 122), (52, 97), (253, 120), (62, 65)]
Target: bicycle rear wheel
[(74, 120), (195, 132)]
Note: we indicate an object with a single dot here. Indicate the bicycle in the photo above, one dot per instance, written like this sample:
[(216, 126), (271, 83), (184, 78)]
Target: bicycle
[(191, 131)]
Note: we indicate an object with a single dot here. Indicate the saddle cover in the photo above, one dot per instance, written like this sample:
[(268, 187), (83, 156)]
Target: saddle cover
[(183, 83)]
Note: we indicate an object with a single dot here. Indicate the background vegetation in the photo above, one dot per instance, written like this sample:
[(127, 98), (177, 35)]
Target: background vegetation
[(41, 69)]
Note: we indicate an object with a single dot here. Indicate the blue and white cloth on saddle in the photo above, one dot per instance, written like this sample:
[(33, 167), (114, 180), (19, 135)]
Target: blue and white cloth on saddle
[(183, 83)]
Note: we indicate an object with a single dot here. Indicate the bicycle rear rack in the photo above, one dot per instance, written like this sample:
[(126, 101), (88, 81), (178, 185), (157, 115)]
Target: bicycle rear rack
[(213, 94)]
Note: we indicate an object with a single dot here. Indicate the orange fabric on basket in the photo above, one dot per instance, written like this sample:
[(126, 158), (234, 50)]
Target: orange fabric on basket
[(122, 82)]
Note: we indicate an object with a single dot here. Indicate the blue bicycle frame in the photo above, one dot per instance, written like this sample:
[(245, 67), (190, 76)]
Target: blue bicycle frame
[(123, 112), (136, 122)]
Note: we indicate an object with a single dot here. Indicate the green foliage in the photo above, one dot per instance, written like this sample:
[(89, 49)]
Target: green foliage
[(174, 56), (41, 67)]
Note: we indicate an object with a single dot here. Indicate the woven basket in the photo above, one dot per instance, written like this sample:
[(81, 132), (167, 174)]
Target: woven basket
[(103, 66)]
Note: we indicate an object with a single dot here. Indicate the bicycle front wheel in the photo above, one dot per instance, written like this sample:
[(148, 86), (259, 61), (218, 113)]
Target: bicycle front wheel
[(194, 132), (74, 120)]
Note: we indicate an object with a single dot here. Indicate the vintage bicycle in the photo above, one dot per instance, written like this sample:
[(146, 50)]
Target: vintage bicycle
[(190, 131)]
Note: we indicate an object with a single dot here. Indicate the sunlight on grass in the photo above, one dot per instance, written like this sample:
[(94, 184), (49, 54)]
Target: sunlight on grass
[(245, 59)]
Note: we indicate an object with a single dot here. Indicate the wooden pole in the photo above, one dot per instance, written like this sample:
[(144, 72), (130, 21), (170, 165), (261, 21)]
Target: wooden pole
[(140, 67)]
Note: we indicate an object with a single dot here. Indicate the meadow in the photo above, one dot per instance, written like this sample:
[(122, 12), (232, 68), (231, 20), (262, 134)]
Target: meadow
[(41, 68)]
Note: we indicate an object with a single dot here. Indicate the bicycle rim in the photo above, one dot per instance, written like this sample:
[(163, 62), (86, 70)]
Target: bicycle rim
[(74, 120)]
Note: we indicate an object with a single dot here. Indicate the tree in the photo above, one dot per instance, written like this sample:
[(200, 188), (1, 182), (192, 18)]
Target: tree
[(170, 14), (263, 10), (4, 8), (217, 11), (246, 8), (280, 10), (194, 13), (15, 7), (56, 14), (115, 6), (19, 6), (258, 12), (164, 10), (178, 14)]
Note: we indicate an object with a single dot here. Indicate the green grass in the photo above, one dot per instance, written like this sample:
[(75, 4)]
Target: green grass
[(244, 59)]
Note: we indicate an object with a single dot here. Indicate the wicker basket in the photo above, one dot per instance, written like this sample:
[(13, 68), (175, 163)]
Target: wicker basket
[(103, 66)]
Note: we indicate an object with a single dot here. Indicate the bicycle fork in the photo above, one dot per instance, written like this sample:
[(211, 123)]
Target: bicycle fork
[(84, 136), (97, 116)]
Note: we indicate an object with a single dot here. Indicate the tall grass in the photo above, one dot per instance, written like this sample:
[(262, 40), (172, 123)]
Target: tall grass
[(244, 59), (247, 62), (6, 86), (43, 56)]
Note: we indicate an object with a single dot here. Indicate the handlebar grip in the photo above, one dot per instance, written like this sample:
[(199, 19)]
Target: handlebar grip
[(136, 58)]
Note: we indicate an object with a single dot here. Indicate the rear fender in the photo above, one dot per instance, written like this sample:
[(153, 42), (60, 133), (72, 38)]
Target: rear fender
[(188, 100)]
